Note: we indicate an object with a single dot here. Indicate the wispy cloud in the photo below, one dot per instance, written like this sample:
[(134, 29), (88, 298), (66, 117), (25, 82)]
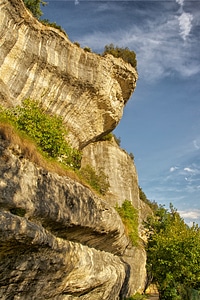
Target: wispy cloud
[(185, 23), (190, 214), (172, 169), (158, 42)]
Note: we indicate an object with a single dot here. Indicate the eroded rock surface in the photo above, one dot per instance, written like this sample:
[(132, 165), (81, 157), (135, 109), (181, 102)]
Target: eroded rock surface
[(51, 232), (36, 61)]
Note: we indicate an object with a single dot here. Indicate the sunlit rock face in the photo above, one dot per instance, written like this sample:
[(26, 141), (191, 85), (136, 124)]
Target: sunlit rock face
[(36, 61), (58, 239), (118, 166)]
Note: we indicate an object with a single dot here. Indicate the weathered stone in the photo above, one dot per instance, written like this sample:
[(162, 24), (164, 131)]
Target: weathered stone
[(50, 228), (37, 61), (38, 265), (118, 166), (58, 239), (121, 171)]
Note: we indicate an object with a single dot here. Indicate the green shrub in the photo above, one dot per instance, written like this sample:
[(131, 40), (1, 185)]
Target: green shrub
[(52, 24), (46, 130), (107, 137), (125, 53), (77, 44), (34, 7), (87, 49), (129, 216), (98, 180), (117, 140), (137, 296)]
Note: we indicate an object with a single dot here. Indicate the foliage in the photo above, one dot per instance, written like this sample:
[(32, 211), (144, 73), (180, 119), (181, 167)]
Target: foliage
[(173, 253), (52, 24), (87, 49), (153, 205), (98, 180), (117, 140), (77, 44), (107, 137), (129, 216), (46, 130), (137, 296), (131, 156), (34, 7), (125, 53)]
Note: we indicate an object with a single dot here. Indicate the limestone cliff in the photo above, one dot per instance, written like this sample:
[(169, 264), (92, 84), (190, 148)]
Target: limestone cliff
[(36, 61), (58, 239)]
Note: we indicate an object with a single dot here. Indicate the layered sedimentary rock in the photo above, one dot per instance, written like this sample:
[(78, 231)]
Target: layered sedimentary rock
[(120, 169), (51, 232), (58, 239), (118, 166), (36, 61)]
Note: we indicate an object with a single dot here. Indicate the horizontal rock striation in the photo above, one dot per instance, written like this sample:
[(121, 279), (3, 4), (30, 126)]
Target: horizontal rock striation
[(37, 61), (118, 166), (37, 265), (51, 232)]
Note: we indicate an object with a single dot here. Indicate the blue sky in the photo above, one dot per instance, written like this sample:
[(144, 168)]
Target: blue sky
[(161, 121)]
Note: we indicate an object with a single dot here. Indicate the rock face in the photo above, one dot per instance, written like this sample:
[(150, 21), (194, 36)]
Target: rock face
[(118, 166), (36, 61), (51, 232), (58, 239)]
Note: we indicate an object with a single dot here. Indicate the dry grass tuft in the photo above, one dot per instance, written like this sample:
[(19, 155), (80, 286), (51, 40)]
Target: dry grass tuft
[(29, 150)]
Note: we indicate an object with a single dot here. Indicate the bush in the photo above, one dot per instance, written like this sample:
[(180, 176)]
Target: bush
[(46, 130), (129, 216), (98, 180), (125, 53), (87, 49), (34, 7), (53, 24), (107, 137)]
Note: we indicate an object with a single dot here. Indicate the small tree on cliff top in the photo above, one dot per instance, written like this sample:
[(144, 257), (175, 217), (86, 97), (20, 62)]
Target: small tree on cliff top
[(125, 53), (35, 7)]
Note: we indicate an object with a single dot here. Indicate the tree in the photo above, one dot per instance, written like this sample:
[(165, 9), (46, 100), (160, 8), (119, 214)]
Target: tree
[(125, 53), (173, 254), (34, 7)]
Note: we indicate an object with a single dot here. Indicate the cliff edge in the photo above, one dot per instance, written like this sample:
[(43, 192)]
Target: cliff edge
[(40, 62), (59, 239)]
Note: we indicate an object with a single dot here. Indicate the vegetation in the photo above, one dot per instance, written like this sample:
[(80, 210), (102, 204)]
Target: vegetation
[(46, 130), (173, 254), (137, 296), (129, 216), (35, 7), (153, 205), (87, 49), (125, 53), (98, 180), (52, 24)]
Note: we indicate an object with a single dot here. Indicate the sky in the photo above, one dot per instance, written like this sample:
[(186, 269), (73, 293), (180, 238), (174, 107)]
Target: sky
[(161, 121)]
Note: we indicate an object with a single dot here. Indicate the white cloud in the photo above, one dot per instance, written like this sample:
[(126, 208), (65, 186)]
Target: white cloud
[(196, 144), (189, 170), (180, 2), (185, 24), (191, 214), (172, 169)]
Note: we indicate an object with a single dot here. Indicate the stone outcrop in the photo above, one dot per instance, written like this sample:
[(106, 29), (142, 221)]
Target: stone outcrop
[(118, 166), (58, 239), (37, 61), (54, 228)]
